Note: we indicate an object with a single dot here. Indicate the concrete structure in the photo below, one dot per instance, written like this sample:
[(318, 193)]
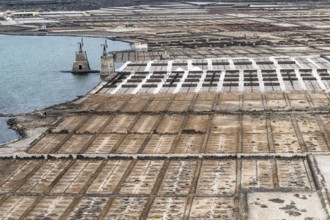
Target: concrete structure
[(107, 63), (165, 55), (140, 47), (81, 64)]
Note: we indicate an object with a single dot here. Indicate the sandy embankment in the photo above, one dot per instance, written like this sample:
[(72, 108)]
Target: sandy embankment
[(31, 126)]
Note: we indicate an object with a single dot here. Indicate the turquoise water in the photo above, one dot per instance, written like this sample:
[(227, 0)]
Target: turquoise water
[(31, 77)]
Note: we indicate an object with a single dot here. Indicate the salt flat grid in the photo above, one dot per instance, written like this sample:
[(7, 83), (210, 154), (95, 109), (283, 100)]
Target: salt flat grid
[(135, 124), (103, 182), (235, 125), (184, 155), (292, 74)]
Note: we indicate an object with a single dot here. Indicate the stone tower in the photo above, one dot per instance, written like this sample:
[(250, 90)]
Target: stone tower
[(107, 63), (81, 64), (164, 55)]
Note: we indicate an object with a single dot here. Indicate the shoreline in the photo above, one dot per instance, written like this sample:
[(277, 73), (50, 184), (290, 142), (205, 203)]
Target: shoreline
[(15, 124), (17, 121)]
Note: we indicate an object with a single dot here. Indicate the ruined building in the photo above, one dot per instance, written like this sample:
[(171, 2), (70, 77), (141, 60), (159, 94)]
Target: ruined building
[(107, 63), (81, 64)]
